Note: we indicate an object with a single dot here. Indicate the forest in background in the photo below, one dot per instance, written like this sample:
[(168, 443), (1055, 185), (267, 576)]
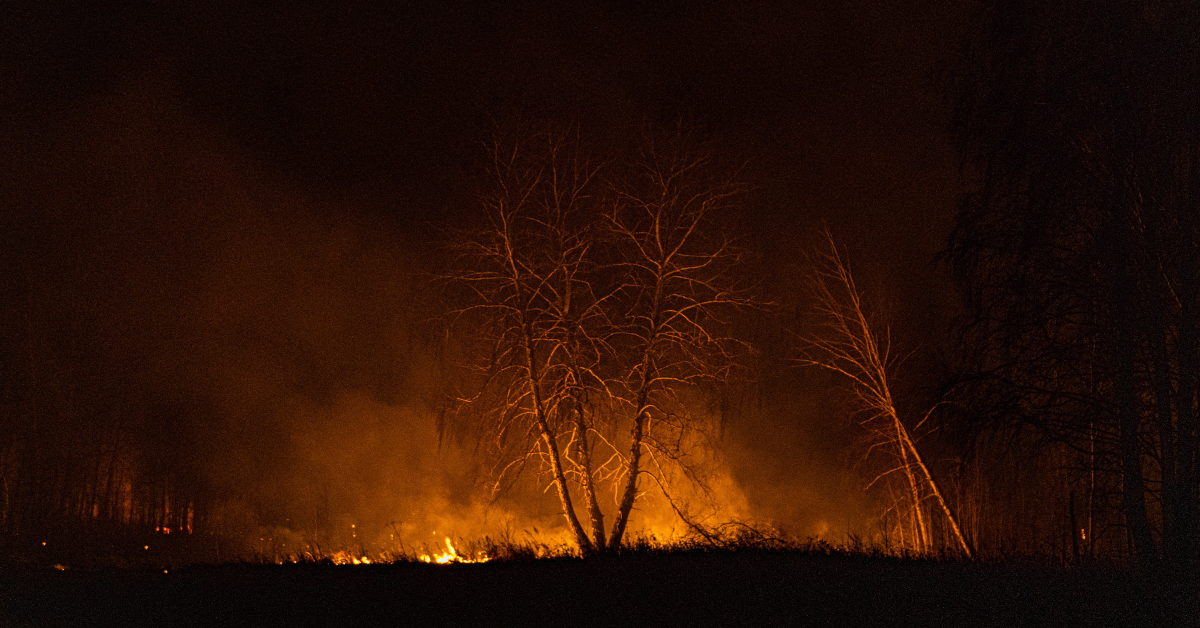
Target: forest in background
[(1059, 419)]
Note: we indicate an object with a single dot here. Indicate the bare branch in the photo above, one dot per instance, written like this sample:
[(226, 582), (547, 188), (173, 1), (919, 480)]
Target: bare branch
[(845, 342)]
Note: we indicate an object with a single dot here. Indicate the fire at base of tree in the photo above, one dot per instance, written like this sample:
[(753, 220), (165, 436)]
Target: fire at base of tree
[(586, 359), (591, 323)]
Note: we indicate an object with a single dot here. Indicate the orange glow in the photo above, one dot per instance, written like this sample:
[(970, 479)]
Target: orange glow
[(343, 558), (451, 556)]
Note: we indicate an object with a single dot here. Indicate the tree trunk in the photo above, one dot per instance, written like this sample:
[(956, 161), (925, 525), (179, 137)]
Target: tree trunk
[(637, 432), (1187, 445), (1133, 486), (539, 407), (1074, 528), (630, 493), (589, 488), (556, 468), (933, 486), (564, 494), (920, 534), (1172, 507)]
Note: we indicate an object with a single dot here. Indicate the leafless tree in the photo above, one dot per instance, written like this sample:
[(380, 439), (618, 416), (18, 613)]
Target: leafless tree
[(847, 342), (680, 290), (595, 313)]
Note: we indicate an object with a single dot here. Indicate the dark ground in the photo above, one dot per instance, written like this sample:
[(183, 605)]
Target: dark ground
[(687, 588)]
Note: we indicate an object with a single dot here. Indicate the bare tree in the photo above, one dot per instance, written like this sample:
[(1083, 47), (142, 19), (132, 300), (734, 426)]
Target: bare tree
[(846, 342), (520, 270), (680, 290), (595, 315)]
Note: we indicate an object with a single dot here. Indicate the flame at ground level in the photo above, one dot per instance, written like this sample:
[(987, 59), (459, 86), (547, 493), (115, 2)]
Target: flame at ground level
[(374, 480), (344, 558), (451, 556)]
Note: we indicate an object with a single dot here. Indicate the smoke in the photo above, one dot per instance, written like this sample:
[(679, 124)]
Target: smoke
[(274, 341), (794, 456)]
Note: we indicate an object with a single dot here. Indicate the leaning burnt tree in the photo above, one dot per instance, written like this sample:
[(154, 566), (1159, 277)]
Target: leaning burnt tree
[(593, 314), (846, 341)]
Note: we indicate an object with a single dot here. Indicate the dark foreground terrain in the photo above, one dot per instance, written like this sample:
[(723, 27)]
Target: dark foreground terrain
[(686, 588)]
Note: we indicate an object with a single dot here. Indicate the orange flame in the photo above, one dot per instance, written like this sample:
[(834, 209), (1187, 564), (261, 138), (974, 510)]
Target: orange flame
[(451, 556), (344, 558)]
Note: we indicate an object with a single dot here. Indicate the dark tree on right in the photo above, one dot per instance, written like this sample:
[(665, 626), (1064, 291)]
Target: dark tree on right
[(1078, 253)]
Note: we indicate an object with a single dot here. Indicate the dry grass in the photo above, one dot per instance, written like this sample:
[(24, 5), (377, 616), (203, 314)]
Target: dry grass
[(508, 547)]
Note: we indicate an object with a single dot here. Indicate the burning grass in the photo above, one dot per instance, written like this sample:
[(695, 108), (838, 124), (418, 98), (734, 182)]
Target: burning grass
[(530, 546), (157, 551), (739, 577)]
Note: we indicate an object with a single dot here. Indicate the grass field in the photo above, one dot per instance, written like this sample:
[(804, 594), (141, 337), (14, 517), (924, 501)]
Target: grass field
[(684, 587)]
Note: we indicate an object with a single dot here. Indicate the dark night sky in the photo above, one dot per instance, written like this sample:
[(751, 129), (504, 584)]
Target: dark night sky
[(224, 202)]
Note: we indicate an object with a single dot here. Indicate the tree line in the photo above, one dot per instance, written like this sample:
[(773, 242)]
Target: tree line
[(1077, 256), (595, 321), (81, 454)]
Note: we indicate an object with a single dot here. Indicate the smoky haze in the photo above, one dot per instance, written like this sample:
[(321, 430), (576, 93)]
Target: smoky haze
[(243, 291), (274, 341), (281, 353)]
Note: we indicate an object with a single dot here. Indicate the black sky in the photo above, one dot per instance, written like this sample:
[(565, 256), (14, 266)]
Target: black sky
[(224, 201)]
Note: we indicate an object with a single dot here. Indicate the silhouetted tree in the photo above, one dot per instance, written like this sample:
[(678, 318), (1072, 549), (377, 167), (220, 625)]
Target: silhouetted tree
[(1078, 252)]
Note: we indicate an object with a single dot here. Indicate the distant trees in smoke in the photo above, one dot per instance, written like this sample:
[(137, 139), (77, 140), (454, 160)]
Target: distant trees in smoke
[(79, 451), (1079, 259), (593, 310)]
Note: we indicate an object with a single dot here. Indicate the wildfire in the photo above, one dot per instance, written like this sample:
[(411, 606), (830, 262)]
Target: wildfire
[(451, 556), (344, 558)]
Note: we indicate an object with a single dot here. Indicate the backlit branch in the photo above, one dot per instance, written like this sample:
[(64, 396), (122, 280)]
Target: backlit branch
[(845, 342), (587, 311)]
